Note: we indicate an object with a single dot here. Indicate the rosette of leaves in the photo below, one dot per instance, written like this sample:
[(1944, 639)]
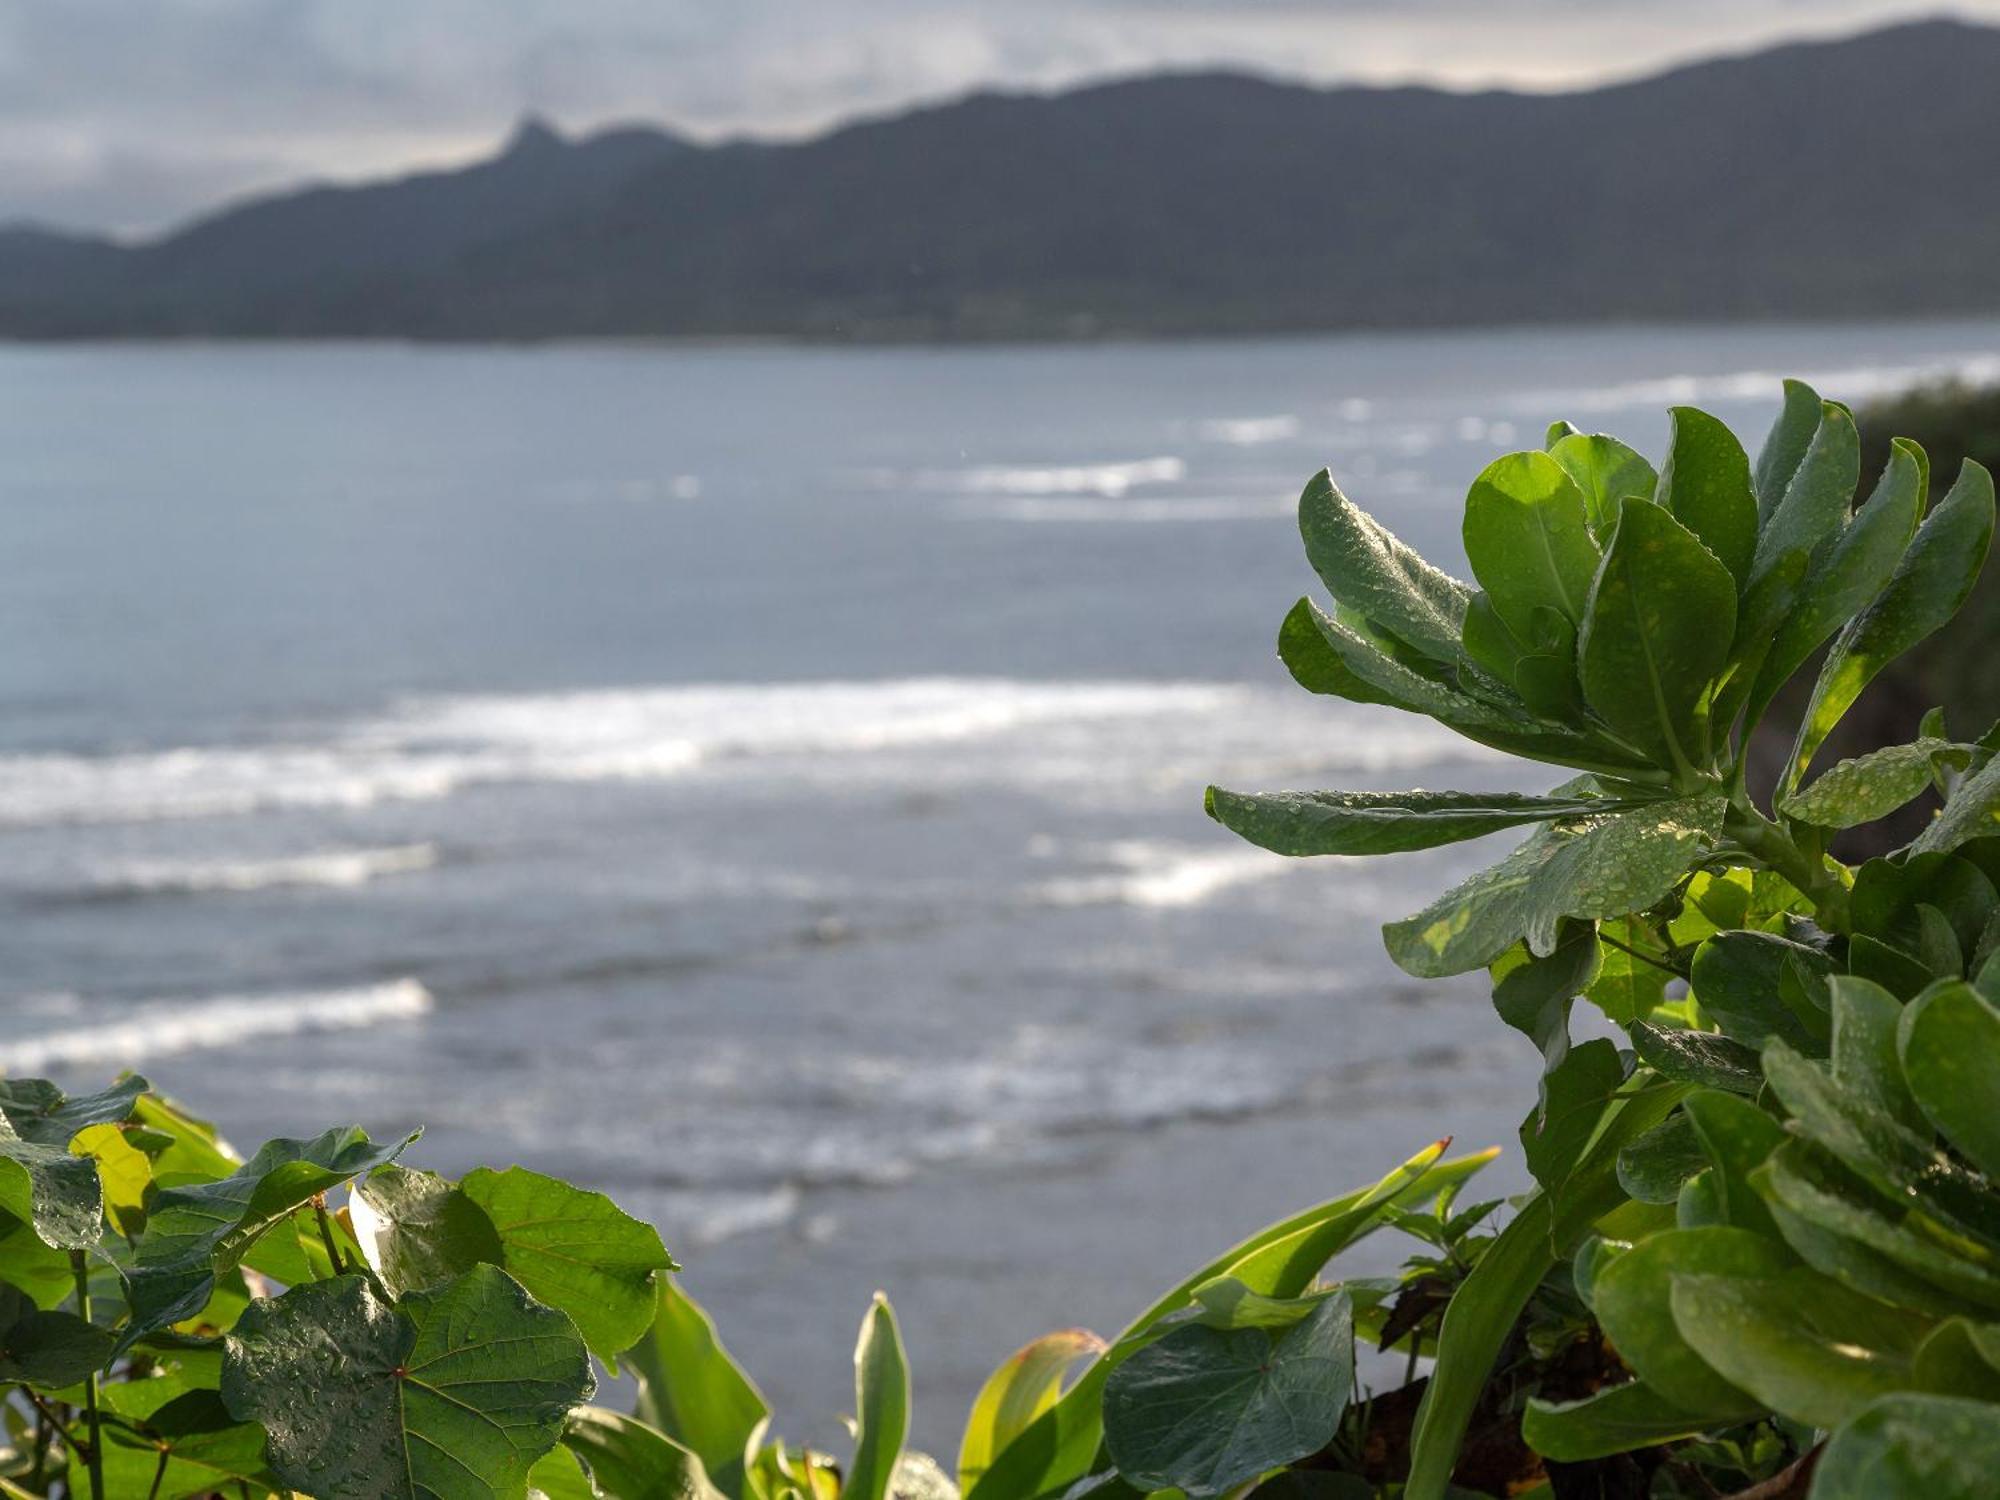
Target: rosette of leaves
[(1634, 624)]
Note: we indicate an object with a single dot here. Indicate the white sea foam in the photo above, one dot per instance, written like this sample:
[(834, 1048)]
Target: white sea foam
[(340, 869), (1245, 432), (1162, 875), (1852, 383), (139, 1033), (1148, 511), (431, 748), (1056, 479)]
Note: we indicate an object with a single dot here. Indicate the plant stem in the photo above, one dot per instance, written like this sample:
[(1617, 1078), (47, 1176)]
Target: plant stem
[(159, 1473), (93, 1455), (326, 1234), (49, 1420), (1770, 844)]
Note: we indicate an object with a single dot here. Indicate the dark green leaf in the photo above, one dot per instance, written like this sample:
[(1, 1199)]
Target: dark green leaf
[(694, 1392), (1656, 635), (57, 1194), (1785, 448), (1698, 1057), (1201, 1410), (1801, 1343), (1817, 500), (1654, 1166), (1948, 1041), (630, 1461), (417, 1231), (1971, 812), (1577, 1093), (1533, 995), (1602, 866), (1705, 485), (42, 1113), (48, 1350), (1865, 1021), (1930, 583), (447, 1393), (1870, 786), (1630, 1298), (1365, 566), (1938, 1447), (1736, 978), (1737, 1138), (1617, 1420), (1302, 823)]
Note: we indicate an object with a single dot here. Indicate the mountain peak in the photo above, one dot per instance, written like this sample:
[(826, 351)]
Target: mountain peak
[(533, 136)]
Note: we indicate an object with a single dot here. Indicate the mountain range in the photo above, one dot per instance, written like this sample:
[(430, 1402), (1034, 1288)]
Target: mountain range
[(1849, 178)]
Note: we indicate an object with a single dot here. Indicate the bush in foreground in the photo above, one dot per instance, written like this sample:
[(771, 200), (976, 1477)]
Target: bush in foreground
[(1762, 1257)]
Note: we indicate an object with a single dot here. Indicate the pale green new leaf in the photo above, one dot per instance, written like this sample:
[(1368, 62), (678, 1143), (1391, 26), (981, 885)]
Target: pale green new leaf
[(1608, 473), (1365, 566), (1016, 1394), (1203, 1409), (1527, 536), (1308, 823), (446, 1394), (881, 1405), (1657, 634), (1601, 866)]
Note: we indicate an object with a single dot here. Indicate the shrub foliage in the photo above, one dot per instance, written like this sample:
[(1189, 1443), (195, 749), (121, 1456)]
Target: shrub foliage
[(1763, 1251)]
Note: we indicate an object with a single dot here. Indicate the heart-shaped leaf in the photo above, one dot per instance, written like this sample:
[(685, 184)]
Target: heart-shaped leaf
[(446, 1394)]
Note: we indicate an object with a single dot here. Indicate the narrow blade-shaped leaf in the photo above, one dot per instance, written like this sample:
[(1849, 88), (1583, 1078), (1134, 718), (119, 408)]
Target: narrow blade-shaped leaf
[(881, 1405), (630, 1461), (1617, 1420), (1657, 634), (1785, 447), (1306, 823), (691, 1389), (1017, 1393), (1817, 500)]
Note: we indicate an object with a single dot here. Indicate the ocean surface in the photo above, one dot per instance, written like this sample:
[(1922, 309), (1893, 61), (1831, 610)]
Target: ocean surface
[(766, 784)]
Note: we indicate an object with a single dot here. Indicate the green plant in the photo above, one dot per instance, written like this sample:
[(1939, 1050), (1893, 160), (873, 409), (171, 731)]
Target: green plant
[(1738, 1198)]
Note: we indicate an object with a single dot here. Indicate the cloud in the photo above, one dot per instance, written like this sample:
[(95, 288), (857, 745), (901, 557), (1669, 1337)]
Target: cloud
[(133, 113)]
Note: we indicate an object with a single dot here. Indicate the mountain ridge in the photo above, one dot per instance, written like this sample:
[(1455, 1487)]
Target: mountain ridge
[(1858, 177)]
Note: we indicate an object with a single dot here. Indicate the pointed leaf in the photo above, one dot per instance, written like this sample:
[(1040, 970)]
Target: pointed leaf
[(451, 1393), (1601, 866), (1971, 812), (1931, 581), (1656, 635), (694, 1392), (1816, 503), (630, 1461), (1018, 1392), (881, 1405), (1616, 1420), (1785, 448), (1697, 1057), (1364, 565), (42, 1113), (1306, 823), (1870, 786), (1705, 485), (57, 1194), (1608, 473)]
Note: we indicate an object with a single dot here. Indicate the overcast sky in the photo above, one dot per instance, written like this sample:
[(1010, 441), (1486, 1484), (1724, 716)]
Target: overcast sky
[(131, 114)]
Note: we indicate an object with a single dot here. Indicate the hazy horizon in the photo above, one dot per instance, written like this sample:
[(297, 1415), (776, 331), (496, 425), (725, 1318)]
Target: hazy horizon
[(131, 121)]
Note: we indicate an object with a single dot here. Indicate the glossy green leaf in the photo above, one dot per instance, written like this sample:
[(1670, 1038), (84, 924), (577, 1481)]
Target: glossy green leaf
[(1527, 536), (1631, 1300), (693, 1391), (1938, 1447), (54, 1192), (1654, 1166), (1737, 1138), (1608, 473), (1845, 579), (1929, 585), (1785, 445), (1868, 787), (1801, 1343), (881, 1405), (447, 1393), (1865, 1022), (47, 1350), (1056, 1449), (558, 1475), (1705, 485), (1626, 987), (1737, 980), (575, 1250), (1483, 1312), (1201, 1410), (1533, 995), (1959, 1357), (630, 1461), (40, 1112), (1971, 812), (1302, 823), (1364, 565), (1577, 1094), (37, 1268), (1948, 1042), (1656, 634), (1615, 1420), (1697, 1057), (1816, 502), (1600, 866), (207, 1450), (416, 1230), (1014, 1395), (195, 1232)]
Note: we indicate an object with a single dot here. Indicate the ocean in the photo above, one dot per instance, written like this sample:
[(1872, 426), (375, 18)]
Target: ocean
[(765, 783)]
